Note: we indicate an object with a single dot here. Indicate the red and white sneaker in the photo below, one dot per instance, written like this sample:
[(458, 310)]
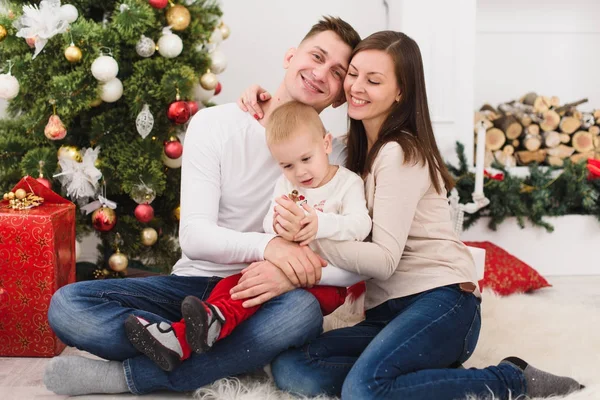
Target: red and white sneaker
[(203, 323), (156, 340)]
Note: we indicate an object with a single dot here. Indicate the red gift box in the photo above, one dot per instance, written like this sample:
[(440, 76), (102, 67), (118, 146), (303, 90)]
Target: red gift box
[(37, 257)]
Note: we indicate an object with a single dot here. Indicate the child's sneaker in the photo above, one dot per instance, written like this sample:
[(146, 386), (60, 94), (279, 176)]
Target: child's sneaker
[(203, 323), (157, 341)]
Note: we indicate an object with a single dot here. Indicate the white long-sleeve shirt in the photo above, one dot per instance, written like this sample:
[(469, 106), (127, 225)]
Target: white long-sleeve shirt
[(227, 180), (340, 204)]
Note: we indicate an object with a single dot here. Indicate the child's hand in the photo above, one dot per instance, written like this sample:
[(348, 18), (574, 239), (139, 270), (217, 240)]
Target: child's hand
[(310, 226), (287, 218)]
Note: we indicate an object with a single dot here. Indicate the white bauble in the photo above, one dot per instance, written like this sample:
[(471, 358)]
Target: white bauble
[(105, 68), (145, 47), (9, 86), (112, 90), (216, 37), (202, 95), (218, 61), (171, 162), (69, 13), (170, 45)]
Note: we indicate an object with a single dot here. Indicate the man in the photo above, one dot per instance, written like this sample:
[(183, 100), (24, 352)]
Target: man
[(226, 186)]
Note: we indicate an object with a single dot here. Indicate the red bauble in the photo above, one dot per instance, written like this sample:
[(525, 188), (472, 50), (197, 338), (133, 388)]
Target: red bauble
[(104, 219), (144, 213), (173, 149), (193, 107), (158, 3), (44, 182), (218, 88), (179, 112)]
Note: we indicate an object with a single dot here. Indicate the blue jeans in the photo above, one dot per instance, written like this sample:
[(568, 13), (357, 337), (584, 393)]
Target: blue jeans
[(90, 315), (406, 348)]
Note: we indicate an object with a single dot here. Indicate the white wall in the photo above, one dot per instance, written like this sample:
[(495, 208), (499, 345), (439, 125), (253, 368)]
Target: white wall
[(546, 46)]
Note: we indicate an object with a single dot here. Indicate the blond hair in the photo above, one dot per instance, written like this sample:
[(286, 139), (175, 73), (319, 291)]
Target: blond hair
[(288, 118)]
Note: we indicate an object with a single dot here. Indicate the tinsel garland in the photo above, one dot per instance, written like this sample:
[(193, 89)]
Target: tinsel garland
[(545, 192)]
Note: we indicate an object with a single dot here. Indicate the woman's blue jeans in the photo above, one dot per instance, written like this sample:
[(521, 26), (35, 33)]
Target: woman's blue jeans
[(406, 348), (90, 315)]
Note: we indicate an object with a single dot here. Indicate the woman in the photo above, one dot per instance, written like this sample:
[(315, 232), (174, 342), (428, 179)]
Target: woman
[(423, 305)]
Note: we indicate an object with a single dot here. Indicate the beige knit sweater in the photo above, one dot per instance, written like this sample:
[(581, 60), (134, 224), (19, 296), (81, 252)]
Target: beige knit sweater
[(413, 246)]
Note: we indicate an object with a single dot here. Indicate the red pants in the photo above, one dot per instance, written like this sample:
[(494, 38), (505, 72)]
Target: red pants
[(329, 298)]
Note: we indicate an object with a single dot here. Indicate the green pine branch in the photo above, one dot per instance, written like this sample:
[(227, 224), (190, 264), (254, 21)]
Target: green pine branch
[(544, 192)]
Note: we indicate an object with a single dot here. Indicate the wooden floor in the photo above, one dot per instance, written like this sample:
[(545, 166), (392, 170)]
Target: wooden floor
[(22, 378)]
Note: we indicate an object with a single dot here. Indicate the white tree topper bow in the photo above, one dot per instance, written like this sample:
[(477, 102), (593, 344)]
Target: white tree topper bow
[(41, 22), (80, 179)]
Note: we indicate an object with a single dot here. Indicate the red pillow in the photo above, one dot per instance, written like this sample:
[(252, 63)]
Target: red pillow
[(505, 274)]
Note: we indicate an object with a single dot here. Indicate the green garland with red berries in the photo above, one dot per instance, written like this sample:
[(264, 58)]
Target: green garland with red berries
[(545, 192)]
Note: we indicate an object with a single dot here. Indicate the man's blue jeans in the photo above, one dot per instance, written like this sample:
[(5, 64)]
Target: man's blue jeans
[(407, 348), (90, 315)]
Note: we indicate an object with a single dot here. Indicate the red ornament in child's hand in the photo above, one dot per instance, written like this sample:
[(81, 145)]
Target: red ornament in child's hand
[(193, 107), (144, 213), (173, 149), (158, 3), (179, 112), (218, 88)]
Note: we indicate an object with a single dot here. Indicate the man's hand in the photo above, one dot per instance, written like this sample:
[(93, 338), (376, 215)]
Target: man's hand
[(287, 218), (260, 282), (250, 98), (300, 264), (310, 226)]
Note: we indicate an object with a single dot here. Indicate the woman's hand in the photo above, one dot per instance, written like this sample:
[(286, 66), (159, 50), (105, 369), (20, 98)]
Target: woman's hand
[(250, 98)]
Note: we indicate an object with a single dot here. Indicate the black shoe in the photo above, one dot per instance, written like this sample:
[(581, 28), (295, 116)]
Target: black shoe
[(157, 341), (198, 324)]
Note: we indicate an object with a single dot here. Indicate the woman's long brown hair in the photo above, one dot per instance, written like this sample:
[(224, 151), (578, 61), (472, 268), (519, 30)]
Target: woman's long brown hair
[(408, 122)]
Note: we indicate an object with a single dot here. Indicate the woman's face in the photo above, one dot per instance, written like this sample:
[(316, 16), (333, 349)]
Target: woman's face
[(371, 86)]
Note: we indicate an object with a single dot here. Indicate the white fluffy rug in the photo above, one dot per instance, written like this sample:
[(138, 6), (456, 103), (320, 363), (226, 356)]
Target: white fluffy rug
[(561, 338)]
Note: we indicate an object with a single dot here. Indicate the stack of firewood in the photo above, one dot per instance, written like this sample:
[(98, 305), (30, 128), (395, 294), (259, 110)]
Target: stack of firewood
[(538, 129)]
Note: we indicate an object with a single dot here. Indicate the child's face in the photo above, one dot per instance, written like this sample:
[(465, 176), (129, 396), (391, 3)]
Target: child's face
[(303, 158)]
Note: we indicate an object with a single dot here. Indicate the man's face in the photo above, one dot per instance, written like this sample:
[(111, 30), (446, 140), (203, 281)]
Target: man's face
[(316, 70)]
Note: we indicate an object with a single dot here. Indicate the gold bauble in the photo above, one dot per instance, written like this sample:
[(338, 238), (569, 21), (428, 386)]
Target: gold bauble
[(177, 213), (209, 81), (149, 236), (69, 152), (3, 33), (225, 31), (178, 17), (118, 262), (20, 194), (73, 54)]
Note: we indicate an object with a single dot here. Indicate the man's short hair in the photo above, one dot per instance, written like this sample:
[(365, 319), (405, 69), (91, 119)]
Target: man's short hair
[(338, 26), (287, 118)]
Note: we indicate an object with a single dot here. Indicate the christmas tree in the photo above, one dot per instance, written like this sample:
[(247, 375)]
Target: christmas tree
[(99, 95)]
